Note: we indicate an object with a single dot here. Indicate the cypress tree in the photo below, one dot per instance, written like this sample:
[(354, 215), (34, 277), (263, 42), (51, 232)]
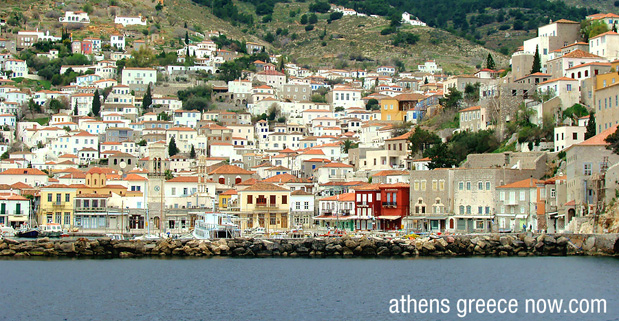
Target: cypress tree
[(192, 154), (147, 100), (186, 37), (537, 62), (96, 104), (590, 125), (490, 62), (172, 149)]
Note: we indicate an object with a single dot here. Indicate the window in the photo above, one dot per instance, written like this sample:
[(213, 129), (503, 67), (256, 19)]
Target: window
[(461, 186), (284, 199), (434, 185), (502, 196), (461, 209), (49, 197), (480, 210), (273, 200), (272, 219), (588, 169), (306, 205), (423, 185), (58, 197), (487, 210), (298, 205), (441, 185), (487, 186), (522, 194), (468, 186), (416, 185), (250, 199), (480, 186), (468, 209)]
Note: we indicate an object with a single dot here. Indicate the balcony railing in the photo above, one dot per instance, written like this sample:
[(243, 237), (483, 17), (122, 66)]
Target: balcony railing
[(57, 203), (265, 205), (390, 204), (90, 209)]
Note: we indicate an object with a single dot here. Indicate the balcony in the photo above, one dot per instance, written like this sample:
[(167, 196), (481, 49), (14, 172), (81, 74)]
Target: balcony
[(390, 204), (261, 205), (57, 203), (510, 202), (90, 209)]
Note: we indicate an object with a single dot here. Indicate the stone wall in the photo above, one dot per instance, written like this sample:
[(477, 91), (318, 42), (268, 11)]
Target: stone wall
[(461, 245)]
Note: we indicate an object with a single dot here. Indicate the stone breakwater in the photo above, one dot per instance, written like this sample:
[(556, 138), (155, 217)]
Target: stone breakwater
[(458, 245)]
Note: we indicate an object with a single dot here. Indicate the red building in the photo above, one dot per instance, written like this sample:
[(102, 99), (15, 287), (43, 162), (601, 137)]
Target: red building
[(368, 206), (381, 206), (86, 47), (395, 205)]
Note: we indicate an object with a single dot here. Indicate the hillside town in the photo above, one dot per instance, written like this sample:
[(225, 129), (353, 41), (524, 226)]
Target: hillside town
[(113, 144)]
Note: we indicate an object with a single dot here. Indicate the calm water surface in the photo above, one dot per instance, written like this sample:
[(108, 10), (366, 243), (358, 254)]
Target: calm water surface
[(293, 289)]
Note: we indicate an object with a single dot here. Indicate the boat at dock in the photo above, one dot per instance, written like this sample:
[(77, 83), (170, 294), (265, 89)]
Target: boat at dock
[(30, 233), (215, 226), (50, 230)]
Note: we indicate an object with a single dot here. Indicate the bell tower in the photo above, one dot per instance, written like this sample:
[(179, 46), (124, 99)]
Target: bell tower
[(155, 201)]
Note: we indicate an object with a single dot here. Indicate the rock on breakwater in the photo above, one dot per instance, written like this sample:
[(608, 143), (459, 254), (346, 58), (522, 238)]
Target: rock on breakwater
[(455, 245)]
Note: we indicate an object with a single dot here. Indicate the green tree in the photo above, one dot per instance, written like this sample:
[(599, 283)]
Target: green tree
[(590, 125), (348, 145), (452, 98), (5, 155), (304, 19), (490, 62), (339, 108), (172, 149), (163, 116), (441, 157), (168, 175), (613, 140), (575, 112), (312, 19), (96, 104), (147, 100), (537, 62), (186, 37), (142, 142), (372, 104), (421, 140), (192, 153)]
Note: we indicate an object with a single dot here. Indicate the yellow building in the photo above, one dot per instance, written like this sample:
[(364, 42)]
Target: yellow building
[(264, 205), (395, 108), (57, 202), (228, 200)]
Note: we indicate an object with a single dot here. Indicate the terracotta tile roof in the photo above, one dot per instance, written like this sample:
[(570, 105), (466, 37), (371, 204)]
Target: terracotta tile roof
[(318, 160), (248, 182), (74, 175), (281, 178), (599, 139), (261, 186), (557, 79), (337, 165), (345, 197), (22, 171), (12, 197), (230, 169), (300, 192), (526, 183), (184, 179), (565, 21), (135, 177), (368, 187), (471, 108), (401, 137), (313, 152), (229, 192), (605, 34), (390, 172), (579, 54)]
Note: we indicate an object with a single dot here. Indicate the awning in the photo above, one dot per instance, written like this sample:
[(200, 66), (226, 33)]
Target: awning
[(522, 216), (475, 216), (391, 218), (19, 218), (333, 218), (415, 217)]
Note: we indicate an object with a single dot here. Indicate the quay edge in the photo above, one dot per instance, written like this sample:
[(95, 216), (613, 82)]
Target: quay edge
[(447, 246)]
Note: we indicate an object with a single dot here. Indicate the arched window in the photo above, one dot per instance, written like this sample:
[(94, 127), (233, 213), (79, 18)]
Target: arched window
[(237, 180), (222, 180)]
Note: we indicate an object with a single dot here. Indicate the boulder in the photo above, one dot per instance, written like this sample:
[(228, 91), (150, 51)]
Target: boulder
[(529, 241)]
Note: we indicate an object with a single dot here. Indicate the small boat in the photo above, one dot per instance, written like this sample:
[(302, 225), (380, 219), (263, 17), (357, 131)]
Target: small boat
[(119, 237), (7, 231), (147, 237), (50, 230), (215, 226), (28, 233)]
